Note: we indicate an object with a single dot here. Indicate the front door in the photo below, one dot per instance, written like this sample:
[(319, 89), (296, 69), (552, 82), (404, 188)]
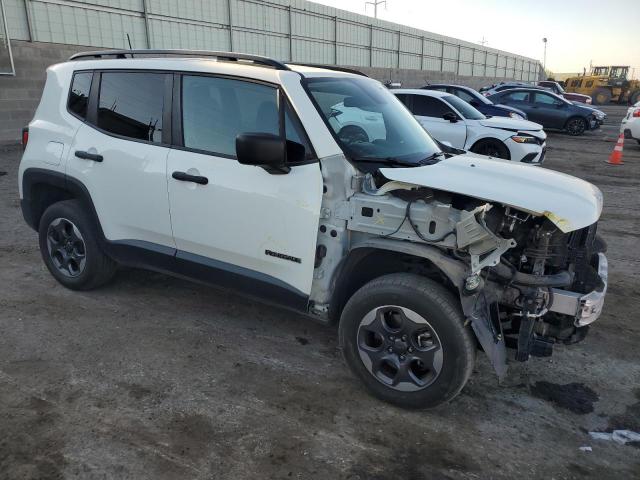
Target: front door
[(549, 110), (248, 228), (429, 111)]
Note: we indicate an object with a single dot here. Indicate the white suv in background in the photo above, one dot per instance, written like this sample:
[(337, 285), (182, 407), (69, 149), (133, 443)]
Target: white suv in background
[(230, 169), (452, 120), (631, 123)]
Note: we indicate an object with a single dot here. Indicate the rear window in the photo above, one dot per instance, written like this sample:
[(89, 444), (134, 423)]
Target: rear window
[(131, 105), (79, 94)]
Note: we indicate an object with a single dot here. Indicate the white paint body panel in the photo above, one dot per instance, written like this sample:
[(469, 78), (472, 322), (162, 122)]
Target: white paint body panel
[(243, 211), (128, 188), (568, 202), (631, 123)]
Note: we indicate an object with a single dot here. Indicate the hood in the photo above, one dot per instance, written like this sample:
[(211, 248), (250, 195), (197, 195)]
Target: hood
[(568, 202), (508, 123), (509, 109)]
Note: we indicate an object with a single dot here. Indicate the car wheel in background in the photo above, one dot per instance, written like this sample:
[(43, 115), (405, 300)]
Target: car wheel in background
[(69, 247), (353, 134), (601, 96), (491, 148), (404, 337), (576, 126)]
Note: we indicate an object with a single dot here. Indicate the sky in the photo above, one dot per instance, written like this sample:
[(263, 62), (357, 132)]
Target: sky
[(605, 32)]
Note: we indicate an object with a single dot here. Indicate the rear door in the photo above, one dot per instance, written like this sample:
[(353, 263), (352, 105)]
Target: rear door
[(519, 100), (120, 155), (549, 111), (429, 111), (244, 227)]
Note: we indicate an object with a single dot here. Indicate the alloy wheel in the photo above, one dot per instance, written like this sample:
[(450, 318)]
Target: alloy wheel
[(399, 348), (576, 126), (66, 247)]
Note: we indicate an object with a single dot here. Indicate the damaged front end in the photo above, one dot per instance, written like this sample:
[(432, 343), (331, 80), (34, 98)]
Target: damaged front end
[(526, 282)]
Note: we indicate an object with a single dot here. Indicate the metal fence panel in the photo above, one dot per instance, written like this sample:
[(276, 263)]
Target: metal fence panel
[(6, 58), (285, 29)]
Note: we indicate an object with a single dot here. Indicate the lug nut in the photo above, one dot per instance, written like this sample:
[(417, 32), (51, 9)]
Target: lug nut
[(410, 350), (390, 350), (401, 357), (404, 338), (392, 338)]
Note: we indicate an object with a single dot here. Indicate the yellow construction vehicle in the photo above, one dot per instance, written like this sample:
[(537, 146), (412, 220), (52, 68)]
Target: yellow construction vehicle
[(606, 84)]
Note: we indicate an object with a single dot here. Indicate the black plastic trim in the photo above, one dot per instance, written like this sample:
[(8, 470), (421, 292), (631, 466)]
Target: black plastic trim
[(225, 56), (168, 260)]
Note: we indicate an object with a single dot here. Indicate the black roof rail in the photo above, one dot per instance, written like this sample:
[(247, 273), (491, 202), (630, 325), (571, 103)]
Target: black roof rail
[(227, 56), (330, 67)]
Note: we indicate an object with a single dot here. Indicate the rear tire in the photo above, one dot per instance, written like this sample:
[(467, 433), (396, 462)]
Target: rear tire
[(576, 126), (404, 337), (491, 148), (601, 96), (69, 246)]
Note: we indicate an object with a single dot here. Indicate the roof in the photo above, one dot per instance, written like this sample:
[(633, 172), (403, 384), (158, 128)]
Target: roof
[(205, 60), (420, 91)]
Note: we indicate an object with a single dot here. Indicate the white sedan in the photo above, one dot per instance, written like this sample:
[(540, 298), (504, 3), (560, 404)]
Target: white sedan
[(631, 123), (452, 120)]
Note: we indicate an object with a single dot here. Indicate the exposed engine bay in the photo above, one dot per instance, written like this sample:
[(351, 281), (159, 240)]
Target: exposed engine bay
[(524, 284)]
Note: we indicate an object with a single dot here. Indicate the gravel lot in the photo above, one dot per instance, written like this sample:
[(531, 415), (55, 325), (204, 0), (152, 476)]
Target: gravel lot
[(154, 377)]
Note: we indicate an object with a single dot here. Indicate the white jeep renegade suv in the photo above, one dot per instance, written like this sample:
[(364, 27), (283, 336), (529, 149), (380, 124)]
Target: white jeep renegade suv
[(228, 168)]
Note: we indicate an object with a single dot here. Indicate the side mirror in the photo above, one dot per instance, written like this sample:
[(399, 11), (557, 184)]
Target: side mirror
[(263, 150), (450, 116)]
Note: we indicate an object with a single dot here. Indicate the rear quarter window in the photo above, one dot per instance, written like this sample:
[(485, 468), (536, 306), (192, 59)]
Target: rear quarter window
[(79, 94)]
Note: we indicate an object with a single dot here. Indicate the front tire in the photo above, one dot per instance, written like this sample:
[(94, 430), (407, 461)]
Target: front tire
[(601, 96), (576, 126), (404, 337), (69, 246), (491, 148)]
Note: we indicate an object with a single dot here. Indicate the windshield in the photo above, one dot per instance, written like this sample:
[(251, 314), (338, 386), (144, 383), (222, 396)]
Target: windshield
[(369, 122), (464, 108)]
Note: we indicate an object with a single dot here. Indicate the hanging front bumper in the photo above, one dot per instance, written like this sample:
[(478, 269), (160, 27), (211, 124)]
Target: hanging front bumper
[(584, 308)]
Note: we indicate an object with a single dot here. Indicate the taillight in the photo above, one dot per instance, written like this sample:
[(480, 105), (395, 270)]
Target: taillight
[(636, 113), (25, 137)]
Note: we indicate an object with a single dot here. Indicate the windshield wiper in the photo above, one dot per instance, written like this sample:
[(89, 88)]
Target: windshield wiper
[(431, 159), (387, 160)]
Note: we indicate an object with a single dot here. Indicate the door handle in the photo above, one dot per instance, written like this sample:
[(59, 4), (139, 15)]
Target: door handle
[(89, 156), (185, 177)]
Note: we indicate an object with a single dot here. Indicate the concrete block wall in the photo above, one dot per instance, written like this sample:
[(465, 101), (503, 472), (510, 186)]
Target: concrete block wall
[(20, 94)]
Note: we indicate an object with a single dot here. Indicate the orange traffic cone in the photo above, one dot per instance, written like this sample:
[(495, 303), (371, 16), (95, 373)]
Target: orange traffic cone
[(616, 156)]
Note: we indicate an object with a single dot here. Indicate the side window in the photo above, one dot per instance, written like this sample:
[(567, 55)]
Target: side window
[(216, 110), (517, 97), (463, 95), (429, 106), (131, 105), (404, 98), (543, 99), (79, 94)]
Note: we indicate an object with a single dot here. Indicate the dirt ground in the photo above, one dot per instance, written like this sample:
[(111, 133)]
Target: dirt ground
[(157, 378)]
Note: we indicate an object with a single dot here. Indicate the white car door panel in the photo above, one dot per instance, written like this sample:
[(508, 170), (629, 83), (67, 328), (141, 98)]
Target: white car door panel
[(128, 184), (444, 130), (259, 223), (245, 216)]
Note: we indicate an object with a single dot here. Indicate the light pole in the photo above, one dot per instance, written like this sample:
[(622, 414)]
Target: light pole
[(375, 4), (544, 61)]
